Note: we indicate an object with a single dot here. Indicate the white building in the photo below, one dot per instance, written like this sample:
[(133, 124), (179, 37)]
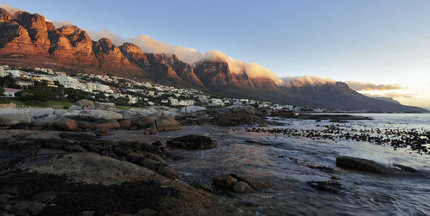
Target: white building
[(2, 74), (10, 92), (13, 73), (186, 103), (104, 88), (174, 101), (216, 102)]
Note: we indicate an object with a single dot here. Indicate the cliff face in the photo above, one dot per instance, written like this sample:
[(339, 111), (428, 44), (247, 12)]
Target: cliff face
[(165, 68), (29, 40), (37, 41)]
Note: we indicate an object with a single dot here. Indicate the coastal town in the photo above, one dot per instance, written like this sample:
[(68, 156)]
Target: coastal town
[(128, 92)]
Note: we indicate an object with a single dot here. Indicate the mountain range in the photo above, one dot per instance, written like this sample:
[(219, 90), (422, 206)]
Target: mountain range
[(29, 40)]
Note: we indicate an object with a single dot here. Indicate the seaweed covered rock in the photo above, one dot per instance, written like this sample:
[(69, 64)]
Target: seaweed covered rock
[(192, 142)]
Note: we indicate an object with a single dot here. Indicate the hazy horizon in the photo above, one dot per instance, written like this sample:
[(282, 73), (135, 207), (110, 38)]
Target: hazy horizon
[(380, 48)]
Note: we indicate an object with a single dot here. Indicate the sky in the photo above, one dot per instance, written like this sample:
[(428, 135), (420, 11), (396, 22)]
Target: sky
[(381, 46)]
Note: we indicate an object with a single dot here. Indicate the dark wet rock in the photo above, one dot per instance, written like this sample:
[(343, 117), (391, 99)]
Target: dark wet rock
[(144, 123), (242, 187), (327, 186), (240, 184), (77, 136), (405, 168), (252, 182), (224, 181), (165, 123), (49, 194), (362, 165), (333, 118), (149, 160), (62, 177), (284, 114), (192, 142), (201, 186), (322, 168), (150, 131), (102, 131), (157, 144), (235, 119)]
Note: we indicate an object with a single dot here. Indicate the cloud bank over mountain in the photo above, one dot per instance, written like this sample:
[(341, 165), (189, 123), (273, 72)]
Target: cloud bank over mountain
[(10, 9), (301, 81), (189, 55), (368, 86)]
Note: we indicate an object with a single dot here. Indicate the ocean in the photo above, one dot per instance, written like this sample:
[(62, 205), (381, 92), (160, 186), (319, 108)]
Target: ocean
[(290, 160)]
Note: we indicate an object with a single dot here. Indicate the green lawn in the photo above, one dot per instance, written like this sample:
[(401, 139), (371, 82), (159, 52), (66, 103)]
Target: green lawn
[(59, 103), (50, 103)]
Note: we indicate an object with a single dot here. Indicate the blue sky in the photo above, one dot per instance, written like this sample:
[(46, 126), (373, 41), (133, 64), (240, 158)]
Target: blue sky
[(379, 41)]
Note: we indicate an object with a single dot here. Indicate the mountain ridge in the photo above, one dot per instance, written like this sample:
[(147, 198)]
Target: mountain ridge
[(30, 40)]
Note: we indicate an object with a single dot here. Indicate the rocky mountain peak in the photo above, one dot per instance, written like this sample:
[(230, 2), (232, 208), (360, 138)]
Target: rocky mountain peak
[(130, 48), (105, 45), (5, 16)]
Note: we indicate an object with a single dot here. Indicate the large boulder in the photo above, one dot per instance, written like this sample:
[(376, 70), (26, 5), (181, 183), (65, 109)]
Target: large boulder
[(102, 131), (145, 122), (125, 124), (109, 124), (165, 123), (193, 109), (44, 117), (139, 113), (84, 103), (362, 165), (10, 117), (93, 115), (240, 184), (66, 124), (89, 168), (192, 142), (83, 180), (106, 106)]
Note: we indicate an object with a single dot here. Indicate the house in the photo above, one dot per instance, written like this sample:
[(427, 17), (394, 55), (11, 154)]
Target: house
[(2, 74), (10, 92), (13, 73), (23, 82), (174, 101)]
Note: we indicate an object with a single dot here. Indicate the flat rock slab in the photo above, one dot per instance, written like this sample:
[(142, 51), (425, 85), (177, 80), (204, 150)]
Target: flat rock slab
[(89, 168)]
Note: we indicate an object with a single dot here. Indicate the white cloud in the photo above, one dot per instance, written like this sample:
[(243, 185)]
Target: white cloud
[(10, 9), (59, 24), (189, 55), (368, 86), (105, 33), (148, 44), (306, 80)]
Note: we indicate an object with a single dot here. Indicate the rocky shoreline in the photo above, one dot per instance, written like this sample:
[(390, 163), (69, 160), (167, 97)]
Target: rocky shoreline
[(58, 162), (102, 161)]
